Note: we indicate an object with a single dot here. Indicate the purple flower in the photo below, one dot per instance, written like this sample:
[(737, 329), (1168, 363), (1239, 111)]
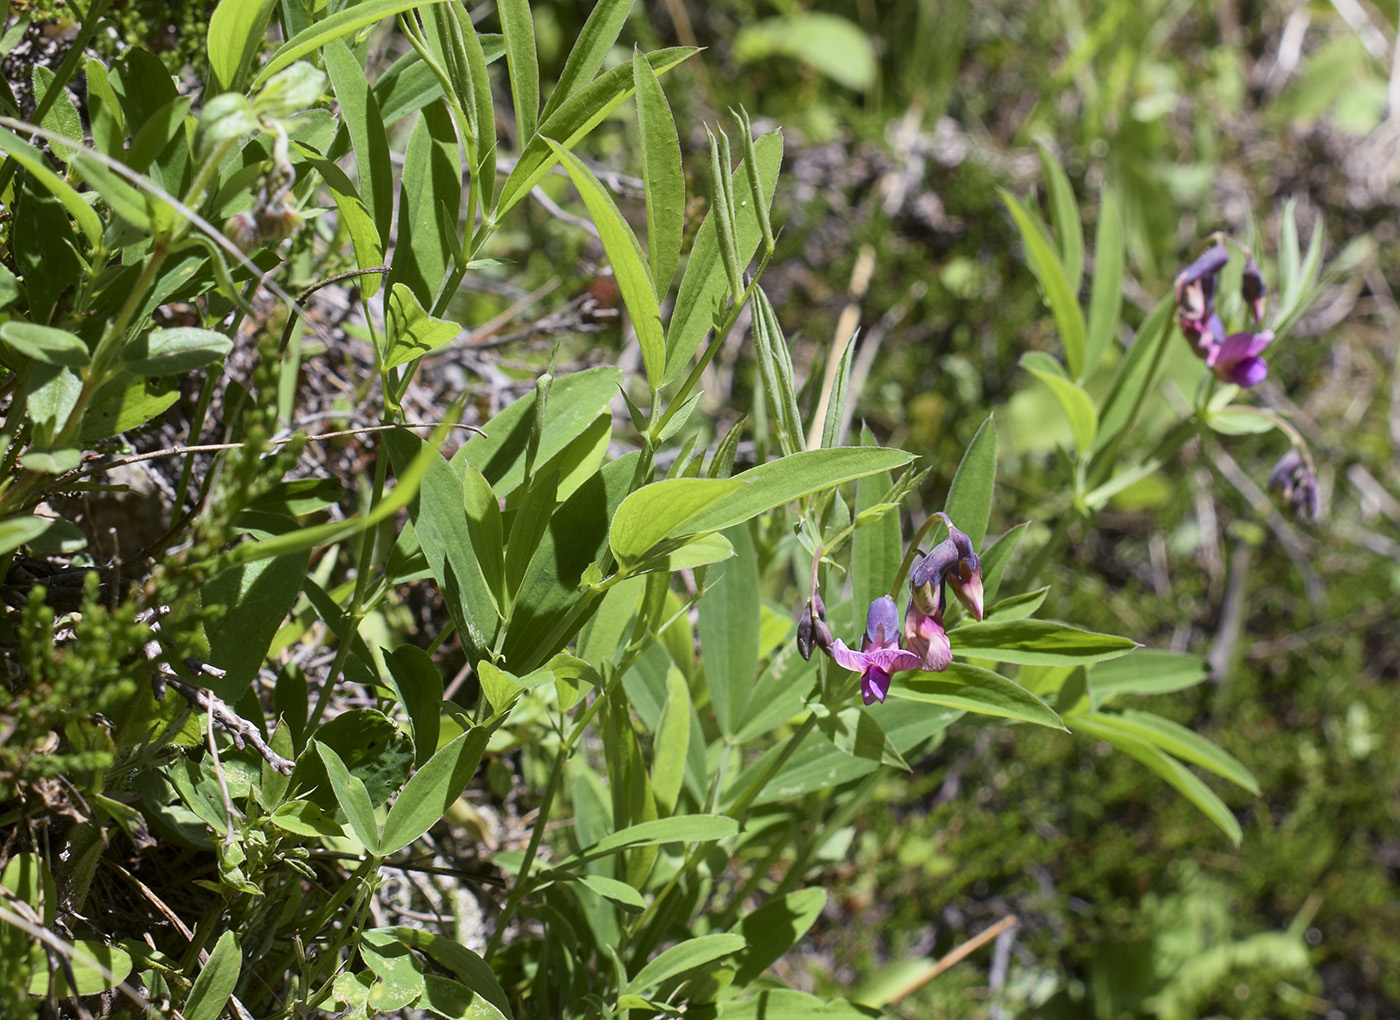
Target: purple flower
[(1253, 290), (1296, 481), (925, 637), (1237, 359), (1195, 291), (880, 656)]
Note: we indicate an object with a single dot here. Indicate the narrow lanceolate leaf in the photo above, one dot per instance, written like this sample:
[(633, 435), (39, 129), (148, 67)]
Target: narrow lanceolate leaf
[(729, 632), (1045, 264), (672, 743), (835, 398), (433, 789), (1064, 216), (573, 119), (483, 110), (633, 279), (1187, 745), (360, 111), (662, 175), (1037, 642), (590, 49), (519, 30), (675, 508), (756, 196), (969, 501), (235, 29), (216, 981), (1106, 727), (705, 282), (32, 160), (430, 195), (1106, 291), (344, 22), (1077, 405), (977, 690), (678, 829), (722, 209), (1135, 373), (686, 956), (353, 798), (775, 368)]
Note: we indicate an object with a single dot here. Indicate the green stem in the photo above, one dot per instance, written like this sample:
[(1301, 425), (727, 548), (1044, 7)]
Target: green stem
[(357, 604), (522, 880)]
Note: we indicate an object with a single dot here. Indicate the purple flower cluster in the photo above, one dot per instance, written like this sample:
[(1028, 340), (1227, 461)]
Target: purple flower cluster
[(1234, 358), (922, 643)]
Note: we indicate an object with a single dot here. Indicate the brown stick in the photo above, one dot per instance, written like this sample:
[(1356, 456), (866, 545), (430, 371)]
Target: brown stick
[(957, 956)]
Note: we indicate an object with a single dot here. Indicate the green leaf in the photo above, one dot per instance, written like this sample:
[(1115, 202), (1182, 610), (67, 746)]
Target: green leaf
[(575, 401), (484, 524), (856, 732), (589, 51), (216, 981), (1135, 372), (829, 43), (433, 790), (430, 195), (969, 502), (876, 547), (96, 967), (666, 510), (629, 267), (655, 512), (572, 120), (685, 956), (46, 344), (475, 972), (1109, 728), (122, 403), (773, 929), (1077, 405), (175, 351), (672, 742), (16, 531), (359, 111), (62, 118), (417, 682), (575, 540), (441, 527), (1187, 745), (676, 829), (518, 27), (1240, 421), (1017, 607), (1036, 642), (611, 889), (978, 690), (1106, 291), (353, 798), (249, 603), (662, 176), (398, 973), (1045, 264), (1064, 215), (1147, 671), (729, 632), (705, 283), (449, 998), (236, 28), (995, 558), (344, 22), (411, 331), (775, 367)]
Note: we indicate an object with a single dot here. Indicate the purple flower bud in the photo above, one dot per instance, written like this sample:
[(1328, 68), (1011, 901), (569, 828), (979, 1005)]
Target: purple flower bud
[(1253, 289), (1195, 285), (965, 576), (881, 625), (812, 628), (1296, 481)]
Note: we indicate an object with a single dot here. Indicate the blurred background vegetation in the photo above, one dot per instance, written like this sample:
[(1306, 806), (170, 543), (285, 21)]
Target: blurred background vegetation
[(902, 118)]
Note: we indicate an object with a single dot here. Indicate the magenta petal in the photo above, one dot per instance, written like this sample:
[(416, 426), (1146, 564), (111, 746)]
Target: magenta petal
[(1238, 346), (848, 658), (892, 660), (1248, 372), (874, 685)]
